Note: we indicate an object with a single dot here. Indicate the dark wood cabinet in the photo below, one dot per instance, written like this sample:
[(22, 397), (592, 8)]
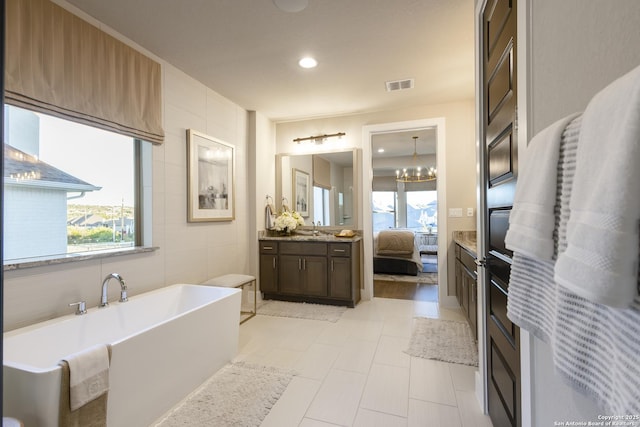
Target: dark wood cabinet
[(268, 266), (343, 271), (311, 271), (467, 286), (290, 276), (303, 275), (314, 276)]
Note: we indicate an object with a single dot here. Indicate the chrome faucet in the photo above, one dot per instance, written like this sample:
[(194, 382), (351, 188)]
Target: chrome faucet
[(123, 289), (315, 227), (81, 307)]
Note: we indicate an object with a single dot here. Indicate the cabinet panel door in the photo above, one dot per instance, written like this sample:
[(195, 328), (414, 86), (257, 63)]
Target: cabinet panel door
[(268, 273), (465, 292), (315, 275), (473, 305), (459, 272), (340, 277), (290, 275)]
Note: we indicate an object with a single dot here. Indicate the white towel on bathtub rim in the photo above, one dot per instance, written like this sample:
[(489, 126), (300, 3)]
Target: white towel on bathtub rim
[(88, 375), (532, 218), (600, 262)]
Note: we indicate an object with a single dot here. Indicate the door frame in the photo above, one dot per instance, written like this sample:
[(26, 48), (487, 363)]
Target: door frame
[(523, 19), (367, 218)]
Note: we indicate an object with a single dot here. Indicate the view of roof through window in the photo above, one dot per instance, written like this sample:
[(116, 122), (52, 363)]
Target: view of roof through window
[(68, 187)]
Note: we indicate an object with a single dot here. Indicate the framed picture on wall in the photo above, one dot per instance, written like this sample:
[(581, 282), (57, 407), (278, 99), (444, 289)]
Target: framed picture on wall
[(210, 178), (301, 191)]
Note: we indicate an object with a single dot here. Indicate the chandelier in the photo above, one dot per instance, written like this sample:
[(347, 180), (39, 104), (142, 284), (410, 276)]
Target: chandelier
[(415, 174)]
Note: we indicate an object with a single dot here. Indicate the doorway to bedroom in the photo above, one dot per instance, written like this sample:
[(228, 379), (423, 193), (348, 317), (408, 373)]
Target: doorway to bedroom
[(405, 215)]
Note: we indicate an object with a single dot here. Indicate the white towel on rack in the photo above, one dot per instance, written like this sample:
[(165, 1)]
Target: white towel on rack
[(532, 220), (600, 262)]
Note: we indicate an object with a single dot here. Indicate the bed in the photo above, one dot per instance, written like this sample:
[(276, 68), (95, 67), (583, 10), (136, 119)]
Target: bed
[(396, 252)]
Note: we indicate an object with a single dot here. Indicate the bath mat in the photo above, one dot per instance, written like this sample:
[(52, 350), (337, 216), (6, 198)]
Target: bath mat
[(445, 340), (301, 310), (239, 394)]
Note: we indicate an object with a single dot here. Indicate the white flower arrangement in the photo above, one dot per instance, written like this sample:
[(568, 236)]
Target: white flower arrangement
[(288, 221)]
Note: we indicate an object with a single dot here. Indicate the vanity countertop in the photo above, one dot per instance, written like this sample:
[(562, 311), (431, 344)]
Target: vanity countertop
[(466, 239), (307, 236), (310, 238)]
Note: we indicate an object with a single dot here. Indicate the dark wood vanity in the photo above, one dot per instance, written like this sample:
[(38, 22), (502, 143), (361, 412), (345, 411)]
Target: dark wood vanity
[(467, 278), (323, 270)]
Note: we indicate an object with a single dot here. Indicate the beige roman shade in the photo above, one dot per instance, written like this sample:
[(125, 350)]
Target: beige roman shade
[(385, 183), (420, 186), (321, 172), (59, 64)]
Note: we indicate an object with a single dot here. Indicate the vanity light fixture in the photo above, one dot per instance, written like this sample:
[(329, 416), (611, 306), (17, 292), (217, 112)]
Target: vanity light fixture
[(416, 174), (319, 139)]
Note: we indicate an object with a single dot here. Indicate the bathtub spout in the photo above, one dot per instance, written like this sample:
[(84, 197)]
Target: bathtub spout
[(123, 289)]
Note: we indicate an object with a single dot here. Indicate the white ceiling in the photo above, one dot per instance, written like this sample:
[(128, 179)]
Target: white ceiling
[(247, 50)]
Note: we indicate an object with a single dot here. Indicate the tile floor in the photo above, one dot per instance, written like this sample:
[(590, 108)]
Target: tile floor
[(355, 373)]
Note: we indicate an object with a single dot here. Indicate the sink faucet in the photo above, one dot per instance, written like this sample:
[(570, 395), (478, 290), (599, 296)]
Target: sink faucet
[(123, 289), (315, 227)]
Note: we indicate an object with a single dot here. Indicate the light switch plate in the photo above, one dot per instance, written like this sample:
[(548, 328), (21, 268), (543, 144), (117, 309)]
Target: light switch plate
[(469, 211), (455, 212)]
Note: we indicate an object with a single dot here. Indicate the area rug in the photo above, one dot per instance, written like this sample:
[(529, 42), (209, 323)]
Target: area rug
[(301, 310), (445, 340), (429, 267), (239, 394), (426, 278), (429, 263)]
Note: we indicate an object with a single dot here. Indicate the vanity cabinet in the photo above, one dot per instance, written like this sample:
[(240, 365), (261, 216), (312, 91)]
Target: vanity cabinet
[(341, 271), (311, 271), (467, 286), (302, 274), (268, 266)]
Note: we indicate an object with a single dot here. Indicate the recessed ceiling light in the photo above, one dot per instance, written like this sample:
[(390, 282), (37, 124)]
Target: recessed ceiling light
[(291, 6), (380, 150), (307, 62)]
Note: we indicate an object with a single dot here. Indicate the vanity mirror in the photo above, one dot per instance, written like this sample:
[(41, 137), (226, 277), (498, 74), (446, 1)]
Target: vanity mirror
[(331, 195)]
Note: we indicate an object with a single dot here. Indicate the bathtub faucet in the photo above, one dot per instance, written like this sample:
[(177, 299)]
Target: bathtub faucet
[(123, 289)]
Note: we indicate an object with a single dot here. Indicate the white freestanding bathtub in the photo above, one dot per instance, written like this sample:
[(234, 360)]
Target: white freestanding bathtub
[(164, 344)]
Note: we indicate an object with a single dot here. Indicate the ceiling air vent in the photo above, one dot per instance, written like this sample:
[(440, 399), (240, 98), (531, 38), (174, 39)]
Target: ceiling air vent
[(399, 85)]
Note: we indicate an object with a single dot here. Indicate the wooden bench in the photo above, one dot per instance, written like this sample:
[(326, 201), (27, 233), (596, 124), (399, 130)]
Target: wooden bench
[(241, 281)]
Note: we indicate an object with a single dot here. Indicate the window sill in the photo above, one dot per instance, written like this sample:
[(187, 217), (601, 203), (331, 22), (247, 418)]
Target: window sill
[(81, 256)]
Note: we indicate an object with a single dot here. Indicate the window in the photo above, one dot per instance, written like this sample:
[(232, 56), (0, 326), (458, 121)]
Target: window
[(422, 210), (384, 210), (416, 210), (68, 188)]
